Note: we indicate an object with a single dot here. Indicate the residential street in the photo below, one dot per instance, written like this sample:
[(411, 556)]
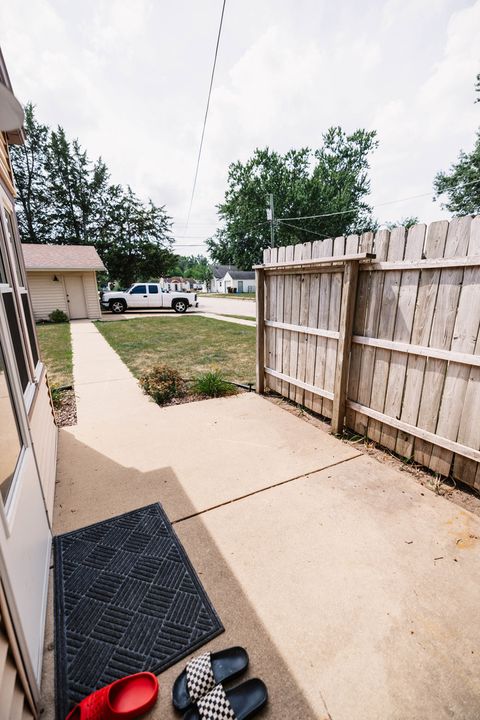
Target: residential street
[(226, 306)]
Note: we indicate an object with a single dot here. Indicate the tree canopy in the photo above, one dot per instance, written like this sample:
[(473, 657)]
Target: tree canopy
[(332, 181), (461, 183), (65, 198), (193, 266)]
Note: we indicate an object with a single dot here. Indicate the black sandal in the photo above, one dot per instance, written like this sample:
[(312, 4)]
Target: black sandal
[(239, 703), (206, 671)]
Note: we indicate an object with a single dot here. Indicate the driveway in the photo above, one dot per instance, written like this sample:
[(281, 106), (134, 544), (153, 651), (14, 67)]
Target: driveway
[(354, 589)]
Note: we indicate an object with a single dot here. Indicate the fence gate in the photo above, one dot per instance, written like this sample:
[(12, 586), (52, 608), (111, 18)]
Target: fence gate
[(380, 333)]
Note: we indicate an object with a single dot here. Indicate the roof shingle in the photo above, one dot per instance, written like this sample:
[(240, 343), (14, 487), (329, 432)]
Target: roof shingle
[(61, 257), (219, 272)]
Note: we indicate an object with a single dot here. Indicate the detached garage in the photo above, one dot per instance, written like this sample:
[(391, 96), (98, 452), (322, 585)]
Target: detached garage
[(63, 277)]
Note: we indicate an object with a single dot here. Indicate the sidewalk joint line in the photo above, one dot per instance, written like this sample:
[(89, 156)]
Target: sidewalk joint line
[(96, 382), (261, 490)]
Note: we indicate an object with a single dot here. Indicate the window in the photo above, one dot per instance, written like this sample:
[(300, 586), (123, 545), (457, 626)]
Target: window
[(14, 244), (3, 272), (10, 444), (30, 329), (153, 289), (12, 320), (139, 290)]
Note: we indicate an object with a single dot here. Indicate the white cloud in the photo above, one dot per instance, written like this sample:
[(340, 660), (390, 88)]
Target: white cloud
[(130, 80)]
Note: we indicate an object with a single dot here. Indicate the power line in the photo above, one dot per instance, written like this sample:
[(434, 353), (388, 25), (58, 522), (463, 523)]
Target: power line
[(296, 227), (206, 115), (390, 202)]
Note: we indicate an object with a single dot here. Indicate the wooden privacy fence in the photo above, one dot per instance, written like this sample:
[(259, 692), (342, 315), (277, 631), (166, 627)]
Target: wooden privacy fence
[(380, 333)]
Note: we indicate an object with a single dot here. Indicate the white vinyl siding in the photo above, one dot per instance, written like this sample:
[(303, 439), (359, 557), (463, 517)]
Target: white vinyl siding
[(44, 436), (48, 294), (91, 295)]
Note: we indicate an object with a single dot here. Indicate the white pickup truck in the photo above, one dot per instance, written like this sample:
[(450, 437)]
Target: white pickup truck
[(147, 295)]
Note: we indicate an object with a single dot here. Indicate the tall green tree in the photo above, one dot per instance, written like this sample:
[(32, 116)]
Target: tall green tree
[(461, 183), (65, 198), (77, 190), (406, 222), (134, 241), (29, 169), (331, 181), (191, 266)]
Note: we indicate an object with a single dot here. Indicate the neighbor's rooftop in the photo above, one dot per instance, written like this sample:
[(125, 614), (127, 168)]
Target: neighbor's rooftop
[(61, 257)]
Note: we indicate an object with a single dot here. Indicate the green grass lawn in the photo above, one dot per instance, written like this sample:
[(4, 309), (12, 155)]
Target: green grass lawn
[(229, 296), (190, 344), (56, 352)]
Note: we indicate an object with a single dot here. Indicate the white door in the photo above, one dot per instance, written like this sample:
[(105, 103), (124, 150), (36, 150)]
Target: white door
[(138, 297), (77, 307)]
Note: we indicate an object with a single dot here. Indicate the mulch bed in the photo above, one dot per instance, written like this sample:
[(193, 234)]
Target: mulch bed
[(66, 409)]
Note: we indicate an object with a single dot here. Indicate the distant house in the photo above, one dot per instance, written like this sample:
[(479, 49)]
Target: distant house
[(229, 279), (63, 277), (176, 284)]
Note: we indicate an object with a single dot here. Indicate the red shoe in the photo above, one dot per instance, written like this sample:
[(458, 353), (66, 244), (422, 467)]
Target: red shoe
[(123, 699)]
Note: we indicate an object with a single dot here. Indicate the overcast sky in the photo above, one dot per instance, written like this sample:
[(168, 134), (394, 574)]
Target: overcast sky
[(129, 78)]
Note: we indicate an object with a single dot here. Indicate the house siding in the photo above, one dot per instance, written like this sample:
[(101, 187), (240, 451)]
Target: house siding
[(44, 436), (48, 295), (25, 548), (229, 282), (91, 295), (5, 166)]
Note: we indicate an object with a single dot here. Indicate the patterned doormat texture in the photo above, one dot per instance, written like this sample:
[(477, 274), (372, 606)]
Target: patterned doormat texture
[(127, 599)]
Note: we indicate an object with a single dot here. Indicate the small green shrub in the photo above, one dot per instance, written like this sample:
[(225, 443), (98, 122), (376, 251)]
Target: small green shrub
[(163, 384), (56, 397), (212, 384), (58, 316)]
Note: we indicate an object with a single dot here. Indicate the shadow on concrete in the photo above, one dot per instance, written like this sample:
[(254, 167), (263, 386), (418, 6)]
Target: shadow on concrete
[(91, 487)]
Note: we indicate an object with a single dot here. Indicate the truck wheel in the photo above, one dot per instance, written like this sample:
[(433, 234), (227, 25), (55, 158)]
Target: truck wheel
[(118, 306), (180, 306)]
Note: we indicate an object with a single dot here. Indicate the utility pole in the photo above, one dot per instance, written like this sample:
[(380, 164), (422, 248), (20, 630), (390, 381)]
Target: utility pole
[(271, 218)]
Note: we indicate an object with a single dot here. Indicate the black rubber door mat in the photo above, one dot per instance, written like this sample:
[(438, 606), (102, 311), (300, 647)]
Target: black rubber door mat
[(127, 599)]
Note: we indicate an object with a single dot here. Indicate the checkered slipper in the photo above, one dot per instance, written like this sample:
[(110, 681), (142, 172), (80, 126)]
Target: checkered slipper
[(239, 703), (205, 671)]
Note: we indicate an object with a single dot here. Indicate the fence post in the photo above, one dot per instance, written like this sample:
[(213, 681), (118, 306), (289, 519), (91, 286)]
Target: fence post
[(349, 291), (260, 297)]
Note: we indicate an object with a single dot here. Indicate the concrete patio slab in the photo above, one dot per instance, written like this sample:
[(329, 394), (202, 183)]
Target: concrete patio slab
[(367, 585), (219, 449), (353, 587)]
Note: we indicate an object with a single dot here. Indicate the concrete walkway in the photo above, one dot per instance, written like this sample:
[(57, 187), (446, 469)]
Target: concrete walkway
[(354, 589)]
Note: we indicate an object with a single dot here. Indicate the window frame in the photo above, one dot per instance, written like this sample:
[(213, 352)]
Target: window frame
[(12, 259), (7, 509)]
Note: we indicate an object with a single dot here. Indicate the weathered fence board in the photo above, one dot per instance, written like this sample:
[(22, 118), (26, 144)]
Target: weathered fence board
[(402, 333), (312, 322), (386, 325), (325, 281), (414, 363), (367, 314)]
